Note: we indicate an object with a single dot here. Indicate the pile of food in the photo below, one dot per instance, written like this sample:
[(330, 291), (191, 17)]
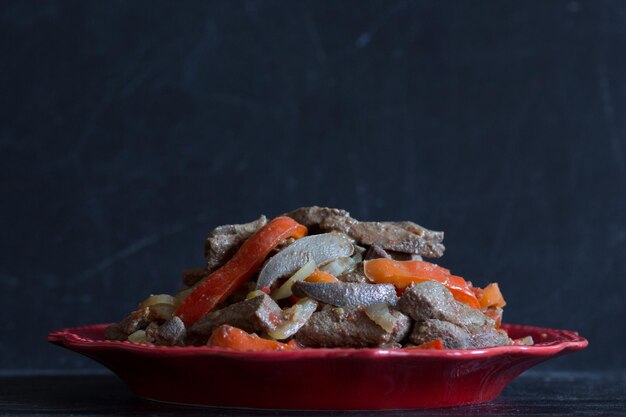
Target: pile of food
[(316, 277)]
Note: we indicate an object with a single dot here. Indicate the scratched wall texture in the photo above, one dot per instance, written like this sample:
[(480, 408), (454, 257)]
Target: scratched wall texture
[(129, 129)]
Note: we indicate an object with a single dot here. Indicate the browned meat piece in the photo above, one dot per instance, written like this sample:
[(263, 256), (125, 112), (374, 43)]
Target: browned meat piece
[(391, 237), (137, 320), (406, 237), (258, 314), (431, 300), (192, 276), (376, 252), (346, 294), (457, 337), (240, 293), (322, 219), (400, 256), (349, 327), (114, 332), (170, 333), (224, 241), (439, 315), (321, 249), (452, 336), (419, 230), (355, 276)]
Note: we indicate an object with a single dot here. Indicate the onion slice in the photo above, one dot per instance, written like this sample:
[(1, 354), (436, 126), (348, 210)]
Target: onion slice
[(158, 299), (254, 294), (285, 290), (339, 266), (296, 317), (379, 313), (137, 337)]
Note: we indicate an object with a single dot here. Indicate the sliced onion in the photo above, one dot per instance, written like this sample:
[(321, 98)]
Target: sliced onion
[(158, 299), (297, 316), (524, 341), (138, 337), (285, 290), (379, 313), (339, 266), (162, 311), (254, 294)]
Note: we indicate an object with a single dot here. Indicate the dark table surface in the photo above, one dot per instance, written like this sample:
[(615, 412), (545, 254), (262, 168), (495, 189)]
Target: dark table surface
[(534, 393)]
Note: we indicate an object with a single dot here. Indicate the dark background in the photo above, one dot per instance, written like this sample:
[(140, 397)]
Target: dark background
[(129, 129)]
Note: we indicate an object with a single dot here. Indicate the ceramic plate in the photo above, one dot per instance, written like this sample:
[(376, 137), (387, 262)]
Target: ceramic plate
[(319, 379)]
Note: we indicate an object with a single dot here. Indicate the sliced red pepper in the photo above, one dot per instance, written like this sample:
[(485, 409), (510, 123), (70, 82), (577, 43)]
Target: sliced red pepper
[(405, 273), (220, 284), (436, 344), (321, 276), (235, 338), (491, 296)]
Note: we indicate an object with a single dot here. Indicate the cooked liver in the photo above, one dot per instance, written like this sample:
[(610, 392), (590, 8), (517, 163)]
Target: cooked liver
[(431, 300), (170, 333), (376, 252), (321, 249), (406, 237), (439, 315), (253, 315), (457, 337), (349, 327), (342, 294), (137, 320), (391, 237), (224, 241), (452, 336)]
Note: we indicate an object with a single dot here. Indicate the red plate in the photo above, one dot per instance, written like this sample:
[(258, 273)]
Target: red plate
[(319, 379)]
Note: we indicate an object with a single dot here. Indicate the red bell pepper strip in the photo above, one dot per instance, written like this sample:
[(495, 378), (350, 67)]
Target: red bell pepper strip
[(321, 276), (247, 260), (405, 273), (436, 344), (235, 338), (490, 296)]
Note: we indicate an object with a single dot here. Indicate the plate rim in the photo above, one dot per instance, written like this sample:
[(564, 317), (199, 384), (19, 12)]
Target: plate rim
[(566, 340)]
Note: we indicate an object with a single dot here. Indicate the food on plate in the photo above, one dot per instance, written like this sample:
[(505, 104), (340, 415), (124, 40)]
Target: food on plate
[(318, 278)]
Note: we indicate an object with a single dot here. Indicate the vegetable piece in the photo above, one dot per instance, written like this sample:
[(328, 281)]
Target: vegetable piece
[(231, 337), (491, 296), (295, 317), (158, 299), (138, 337), (254, 294), (436, 344), (340, 266), (248, 259), (161, 311), (524, 341), (379, 313), (321, 276), (321, 249), (284, 291), (405, 273), (160, 306)]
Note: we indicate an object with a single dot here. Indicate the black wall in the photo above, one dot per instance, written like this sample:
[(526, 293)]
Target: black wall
[(128, 130)]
